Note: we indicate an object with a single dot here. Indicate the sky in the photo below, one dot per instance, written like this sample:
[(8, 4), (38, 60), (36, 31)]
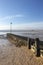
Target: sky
[(24, 14)]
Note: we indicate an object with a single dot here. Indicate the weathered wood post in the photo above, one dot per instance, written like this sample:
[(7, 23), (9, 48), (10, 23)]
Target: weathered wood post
[(29, 43), (37, 47)]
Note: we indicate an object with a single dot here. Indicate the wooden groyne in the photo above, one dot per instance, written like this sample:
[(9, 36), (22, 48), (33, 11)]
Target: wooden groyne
[(18, 40), (21, 40), (13, 35)]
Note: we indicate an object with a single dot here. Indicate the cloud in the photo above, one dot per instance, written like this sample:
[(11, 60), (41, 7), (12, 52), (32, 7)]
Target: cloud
[(23, 26), (11, 17), (4, 27), (27, 26)]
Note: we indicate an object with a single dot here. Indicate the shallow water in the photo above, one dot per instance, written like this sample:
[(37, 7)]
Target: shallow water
[(32, 34)]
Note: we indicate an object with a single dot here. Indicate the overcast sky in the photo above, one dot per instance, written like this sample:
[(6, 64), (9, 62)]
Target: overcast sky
[(24, 14)]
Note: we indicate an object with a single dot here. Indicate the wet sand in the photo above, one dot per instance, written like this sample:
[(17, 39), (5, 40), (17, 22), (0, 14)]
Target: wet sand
[(12, 55)]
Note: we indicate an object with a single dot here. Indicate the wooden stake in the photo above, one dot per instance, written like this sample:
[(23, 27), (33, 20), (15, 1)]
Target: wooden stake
[(38, 47)]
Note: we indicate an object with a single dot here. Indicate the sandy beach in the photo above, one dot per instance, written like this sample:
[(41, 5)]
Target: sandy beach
[(12, 55)]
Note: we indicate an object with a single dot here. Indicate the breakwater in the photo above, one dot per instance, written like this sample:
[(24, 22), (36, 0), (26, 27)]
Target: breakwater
[(21, 40)]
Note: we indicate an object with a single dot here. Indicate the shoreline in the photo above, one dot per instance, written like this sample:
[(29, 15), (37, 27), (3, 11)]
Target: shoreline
[(24, 41), (12, 55)]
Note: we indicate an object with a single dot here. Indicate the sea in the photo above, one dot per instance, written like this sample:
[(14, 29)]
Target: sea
[(25, 33)]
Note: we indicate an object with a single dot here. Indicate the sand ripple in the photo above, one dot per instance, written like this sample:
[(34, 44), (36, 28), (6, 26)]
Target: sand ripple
[(11, 55)]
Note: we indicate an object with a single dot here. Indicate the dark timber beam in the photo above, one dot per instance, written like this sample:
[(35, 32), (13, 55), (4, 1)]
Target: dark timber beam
[(29, 43), (37, 47)]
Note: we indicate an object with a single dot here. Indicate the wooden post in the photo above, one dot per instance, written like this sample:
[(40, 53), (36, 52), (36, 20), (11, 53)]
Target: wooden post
[(29, 43), (38, 47)]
